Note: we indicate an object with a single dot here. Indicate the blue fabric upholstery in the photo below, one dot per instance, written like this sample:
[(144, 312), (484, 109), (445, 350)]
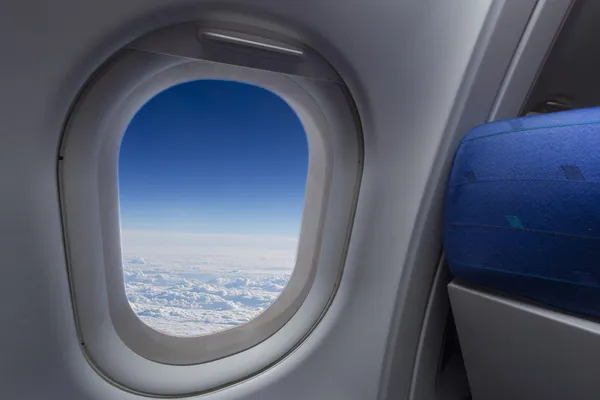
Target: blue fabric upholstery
[(522, 209)]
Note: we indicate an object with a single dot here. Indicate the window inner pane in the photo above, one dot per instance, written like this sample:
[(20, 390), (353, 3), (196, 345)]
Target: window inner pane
[(212, 177)]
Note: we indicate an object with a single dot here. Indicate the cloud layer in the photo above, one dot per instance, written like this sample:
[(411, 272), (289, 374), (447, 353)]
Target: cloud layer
[(188, 285)]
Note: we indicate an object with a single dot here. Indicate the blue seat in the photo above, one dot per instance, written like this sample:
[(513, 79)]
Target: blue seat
[(522, 209)]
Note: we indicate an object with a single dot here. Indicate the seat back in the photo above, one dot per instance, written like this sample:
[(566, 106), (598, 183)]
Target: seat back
[(522, 209)]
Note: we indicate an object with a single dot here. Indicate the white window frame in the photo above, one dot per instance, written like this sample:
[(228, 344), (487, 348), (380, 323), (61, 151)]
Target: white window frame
[(122, 347)]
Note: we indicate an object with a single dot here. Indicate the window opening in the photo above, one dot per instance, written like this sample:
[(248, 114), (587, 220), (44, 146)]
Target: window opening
[(212, 177)]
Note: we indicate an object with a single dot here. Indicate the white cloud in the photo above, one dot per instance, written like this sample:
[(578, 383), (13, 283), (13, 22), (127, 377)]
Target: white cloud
[(189, 284), (137, 260)]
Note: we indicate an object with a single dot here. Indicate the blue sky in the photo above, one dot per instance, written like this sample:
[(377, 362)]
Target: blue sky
[(214, 157)]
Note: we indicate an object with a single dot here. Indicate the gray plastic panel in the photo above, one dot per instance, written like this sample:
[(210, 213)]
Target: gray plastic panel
[(517, 350), (571, 69), (197, 40)]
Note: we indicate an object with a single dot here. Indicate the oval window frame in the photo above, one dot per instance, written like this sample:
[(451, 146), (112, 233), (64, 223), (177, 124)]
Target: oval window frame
[(115, 340)]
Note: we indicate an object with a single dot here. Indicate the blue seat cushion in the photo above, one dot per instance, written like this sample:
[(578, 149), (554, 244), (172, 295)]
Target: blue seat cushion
[(522, 209)]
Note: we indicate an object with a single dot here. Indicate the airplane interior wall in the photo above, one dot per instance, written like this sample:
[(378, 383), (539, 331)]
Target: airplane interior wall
[(420, 74)]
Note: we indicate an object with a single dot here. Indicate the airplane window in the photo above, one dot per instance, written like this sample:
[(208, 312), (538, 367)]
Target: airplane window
[(212, 178)]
